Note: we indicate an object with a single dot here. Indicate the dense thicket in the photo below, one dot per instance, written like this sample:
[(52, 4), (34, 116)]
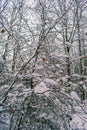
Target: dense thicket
[(43, 64)]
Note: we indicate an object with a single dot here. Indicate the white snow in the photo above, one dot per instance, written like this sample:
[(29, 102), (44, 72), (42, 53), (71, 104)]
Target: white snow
[(64, 79), (76, 75), (58, 65), (85, 125), (50, 81), (42, 89), (68, 44), (36, 75), (10, 95), (78, 122), (43, 115), (38, 67), (84, 86), (75, 96)]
